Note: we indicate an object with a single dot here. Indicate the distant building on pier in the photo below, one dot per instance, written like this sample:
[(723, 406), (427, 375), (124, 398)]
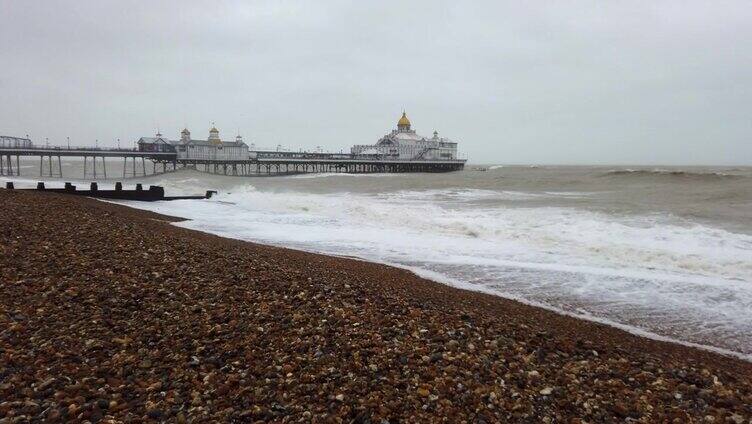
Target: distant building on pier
[(15, 142), (405, 143), (157, 143), (213, 148)]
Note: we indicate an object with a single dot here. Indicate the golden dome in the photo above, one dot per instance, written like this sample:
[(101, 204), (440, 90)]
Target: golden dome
[(403, 122), (214, 130)]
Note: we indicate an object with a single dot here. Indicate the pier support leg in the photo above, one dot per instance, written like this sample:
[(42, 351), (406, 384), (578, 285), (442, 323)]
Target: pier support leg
[(60, 166), (104, 168)]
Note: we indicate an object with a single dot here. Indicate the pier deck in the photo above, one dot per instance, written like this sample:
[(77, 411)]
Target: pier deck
[(264, 163)]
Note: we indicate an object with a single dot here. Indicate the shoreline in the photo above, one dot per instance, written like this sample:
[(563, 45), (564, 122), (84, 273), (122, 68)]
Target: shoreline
[(438, 278), (514, 362), (460, 285)]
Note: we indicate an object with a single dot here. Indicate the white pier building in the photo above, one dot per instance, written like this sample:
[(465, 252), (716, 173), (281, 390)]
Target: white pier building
[(213, 148), (405, 143)]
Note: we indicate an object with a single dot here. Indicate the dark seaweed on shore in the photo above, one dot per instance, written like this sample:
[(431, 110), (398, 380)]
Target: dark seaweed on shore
[(109, 314)]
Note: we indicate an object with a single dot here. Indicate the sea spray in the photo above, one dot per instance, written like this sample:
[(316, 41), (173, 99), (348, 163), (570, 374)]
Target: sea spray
[(656, 272)]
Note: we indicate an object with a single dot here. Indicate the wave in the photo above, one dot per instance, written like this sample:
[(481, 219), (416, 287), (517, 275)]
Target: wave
[(708, 175), (470, 194), (458, 194), (658, 273), (569, 193)]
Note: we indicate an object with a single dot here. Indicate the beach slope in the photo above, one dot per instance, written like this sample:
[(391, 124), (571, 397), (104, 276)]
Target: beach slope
[(113, 314)]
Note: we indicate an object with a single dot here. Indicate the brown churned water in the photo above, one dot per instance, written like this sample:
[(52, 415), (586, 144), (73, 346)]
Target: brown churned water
[(664, 251)]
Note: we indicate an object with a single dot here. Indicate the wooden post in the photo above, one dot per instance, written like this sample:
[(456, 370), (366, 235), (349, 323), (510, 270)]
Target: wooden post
[(60, 166), (104, 168)]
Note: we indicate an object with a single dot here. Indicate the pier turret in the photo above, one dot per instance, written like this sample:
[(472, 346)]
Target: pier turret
[(403, 124), (185, 135), (214, 136)]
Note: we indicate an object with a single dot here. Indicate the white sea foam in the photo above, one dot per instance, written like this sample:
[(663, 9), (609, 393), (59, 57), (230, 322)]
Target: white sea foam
[(568, 193), (655, 273), (469, 194), (566, 239)]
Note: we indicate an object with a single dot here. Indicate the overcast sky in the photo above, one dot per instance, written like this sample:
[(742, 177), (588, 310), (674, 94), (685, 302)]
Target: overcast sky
[(514, 82)]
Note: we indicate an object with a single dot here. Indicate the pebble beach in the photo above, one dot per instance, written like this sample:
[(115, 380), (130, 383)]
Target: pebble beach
[(110, 314)]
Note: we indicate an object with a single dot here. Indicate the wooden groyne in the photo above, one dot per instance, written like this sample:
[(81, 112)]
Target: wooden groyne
[(154, 193)]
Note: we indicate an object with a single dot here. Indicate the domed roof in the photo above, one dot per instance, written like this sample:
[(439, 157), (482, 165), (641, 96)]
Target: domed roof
[(185, 131), (403, 121), (214, 135)]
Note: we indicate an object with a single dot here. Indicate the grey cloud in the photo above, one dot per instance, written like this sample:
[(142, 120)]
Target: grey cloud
[(514, 82)]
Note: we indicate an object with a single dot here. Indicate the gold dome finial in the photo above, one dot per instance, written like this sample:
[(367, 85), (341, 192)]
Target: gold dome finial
[(403, 123)]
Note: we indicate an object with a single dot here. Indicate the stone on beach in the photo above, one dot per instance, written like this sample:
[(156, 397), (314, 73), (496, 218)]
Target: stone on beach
[(109, 314)]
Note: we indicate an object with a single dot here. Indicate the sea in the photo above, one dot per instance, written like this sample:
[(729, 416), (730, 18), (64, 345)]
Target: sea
[(663, 252)]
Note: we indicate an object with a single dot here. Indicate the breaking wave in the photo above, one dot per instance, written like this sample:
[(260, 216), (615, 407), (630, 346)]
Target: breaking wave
[(707, 175), (657, 273)]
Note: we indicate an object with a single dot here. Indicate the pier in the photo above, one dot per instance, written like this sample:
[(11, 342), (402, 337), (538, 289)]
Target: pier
[(261, 163)]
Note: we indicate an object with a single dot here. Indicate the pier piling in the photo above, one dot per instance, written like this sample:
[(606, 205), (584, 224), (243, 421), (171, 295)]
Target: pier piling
[(260, 163)]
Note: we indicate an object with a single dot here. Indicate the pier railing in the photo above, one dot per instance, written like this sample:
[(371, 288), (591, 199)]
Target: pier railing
[(259, 162)]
